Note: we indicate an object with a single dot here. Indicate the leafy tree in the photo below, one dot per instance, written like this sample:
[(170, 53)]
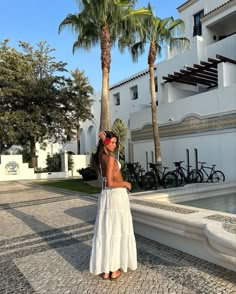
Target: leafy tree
[(156, 32), (38, 104), (101, 22)]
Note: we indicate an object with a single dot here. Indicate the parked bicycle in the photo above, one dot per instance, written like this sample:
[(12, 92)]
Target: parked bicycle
[(157, 177), (214, 176), (134, 174), (185, 175)]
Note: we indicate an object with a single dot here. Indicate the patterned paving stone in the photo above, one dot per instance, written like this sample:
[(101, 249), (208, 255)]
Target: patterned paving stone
[(45, 245)]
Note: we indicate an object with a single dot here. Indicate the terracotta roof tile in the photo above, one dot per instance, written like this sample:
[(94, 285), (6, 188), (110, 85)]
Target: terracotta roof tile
[(183, 4), (223, 4)]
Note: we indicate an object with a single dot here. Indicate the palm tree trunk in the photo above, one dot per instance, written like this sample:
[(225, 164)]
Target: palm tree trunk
[(157, 145), (105, 102), (78, 138), (33, 152), (156, 137), (105, 123)]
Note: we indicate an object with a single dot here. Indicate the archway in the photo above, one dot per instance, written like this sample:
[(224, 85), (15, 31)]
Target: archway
[(82, 142), (91, 139)]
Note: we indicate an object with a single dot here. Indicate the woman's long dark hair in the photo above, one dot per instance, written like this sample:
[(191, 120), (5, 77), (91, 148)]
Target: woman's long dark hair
[(95, 158)]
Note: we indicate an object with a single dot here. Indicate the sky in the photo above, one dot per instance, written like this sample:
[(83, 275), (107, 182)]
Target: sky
[(33, 21)]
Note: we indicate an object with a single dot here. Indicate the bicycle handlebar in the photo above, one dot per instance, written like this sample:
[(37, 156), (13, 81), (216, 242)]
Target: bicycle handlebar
[(203, 162)]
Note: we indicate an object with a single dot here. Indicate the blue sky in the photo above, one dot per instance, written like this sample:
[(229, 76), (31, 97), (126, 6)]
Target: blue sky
[(38, 20)]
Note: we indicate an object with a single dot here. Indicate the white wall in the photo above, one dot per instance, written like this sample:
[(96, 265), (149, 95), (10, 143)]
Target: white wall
[(225, 47), (208, 103), (216, 149), (127, 104), (187, 14), (219, 149), (80, 161)]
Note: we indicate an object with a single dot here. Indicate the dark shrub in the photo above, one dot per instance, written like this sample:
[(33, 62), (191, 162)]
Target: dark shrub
[(54, 163), (88, 173)]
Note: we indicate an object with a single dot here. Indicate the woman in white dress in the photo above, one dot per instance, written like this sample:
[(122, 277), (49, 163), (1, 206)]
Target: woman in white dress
[(114, 246)]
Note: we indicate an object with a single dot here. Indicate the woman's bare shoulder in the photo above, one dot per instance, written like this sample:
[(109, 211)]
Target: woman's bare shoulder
[(108, 158)]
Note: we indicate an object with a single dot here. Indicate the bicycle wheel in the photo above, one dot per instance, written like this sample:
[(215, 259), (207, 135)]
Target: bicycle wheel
[(170, 180), (217, 177), (149, 181), (180, 179), (130, 178), (195, 176)]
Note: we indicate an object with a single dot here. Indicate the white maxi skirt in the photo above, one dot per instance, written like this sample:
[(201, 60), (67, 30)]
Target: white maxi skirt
[(114, 245)]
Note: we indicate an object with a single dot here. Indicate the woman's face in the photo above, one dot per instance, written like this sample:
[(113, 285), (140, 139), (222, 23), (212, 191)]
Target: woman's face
[(112, 145)]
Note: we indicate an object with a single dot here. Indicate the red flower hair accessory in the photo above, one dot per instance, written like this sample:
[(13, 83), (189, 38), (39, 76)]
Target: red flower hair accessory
[(107, 141)]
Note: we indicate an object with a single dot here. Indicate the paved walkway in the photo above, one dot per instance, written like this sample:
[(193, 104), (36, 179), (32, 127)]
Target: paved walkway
[(45, 244)]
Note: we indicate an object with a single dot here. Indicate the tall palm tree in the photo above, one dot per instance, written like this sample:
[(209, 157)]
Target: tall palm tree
[(120, 129), (101, 22), (157, 32)]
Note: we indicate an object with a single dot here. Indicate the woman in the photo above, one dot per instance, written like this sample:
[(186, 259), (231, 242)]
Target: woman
[(114, 247)]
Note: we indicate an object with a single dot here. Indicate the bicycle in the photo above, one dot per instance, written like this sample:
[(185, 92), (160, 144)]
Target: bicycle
[(184, 175), (215, 176), (157, 176), (134, 174)]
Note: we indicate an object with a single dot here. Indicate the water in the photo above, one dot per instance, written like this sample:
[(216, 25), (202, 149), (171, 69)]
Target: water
[(224, 203)]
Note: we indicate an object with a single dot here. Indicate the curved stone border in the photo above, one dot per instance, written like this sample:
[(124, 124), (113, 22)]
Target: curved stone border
[(186, 230), (229, 228), (228, 223), (163, 206)]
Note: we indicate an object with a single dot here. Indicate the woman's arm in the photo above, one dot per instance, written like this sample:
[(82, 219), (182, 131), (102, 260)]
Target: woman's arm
[(111, 182)]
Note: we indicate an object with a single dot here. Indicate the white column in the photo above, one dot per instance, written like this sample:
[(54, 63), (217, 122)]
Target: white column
[(226, 74), (64, 161)]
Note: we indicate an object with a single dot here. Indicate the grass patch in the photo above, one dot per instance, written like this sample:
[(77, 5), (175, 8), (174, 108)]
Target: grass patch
[(77, 185)]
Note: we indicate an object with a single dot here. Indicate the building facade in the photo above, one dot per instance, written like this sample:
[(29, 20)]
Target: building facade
[(196, 95)]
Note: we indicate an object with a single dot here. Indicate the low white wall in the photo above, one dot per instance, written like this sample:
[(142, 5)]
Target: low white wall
[(12, 168), (36, 176), (80, 161), (196, 235), (191, 232)]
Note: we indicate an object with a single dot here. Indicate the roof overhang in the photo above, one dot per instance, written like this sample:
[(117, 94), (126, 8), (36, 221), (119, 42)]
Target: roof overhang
[(205, 73)]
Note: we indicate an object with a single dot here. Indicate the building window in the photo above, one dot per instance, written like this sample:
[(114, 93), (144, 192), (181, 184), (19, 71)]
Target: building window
[(197, 28), (156, 84), (116, 98), (146, 153), (152, 154), (134, 92)]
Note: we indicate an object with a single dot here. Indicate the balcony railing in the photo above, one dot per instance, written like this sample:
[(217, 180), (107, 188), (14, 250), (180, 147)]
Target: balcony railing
[(197, 30)]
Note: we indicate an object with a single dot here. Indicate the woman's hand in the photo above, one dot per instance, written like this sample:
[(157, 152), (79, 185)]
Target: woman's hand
[(128, 185), (102, 135)]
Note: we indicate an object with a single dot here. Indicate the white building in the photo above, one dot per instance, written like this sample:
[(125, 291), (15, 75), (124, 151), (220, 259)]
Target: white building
[(196, 94)]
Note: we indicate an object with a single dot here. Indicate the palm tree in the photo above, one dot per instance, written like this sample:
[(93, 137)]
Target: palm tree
[(101, 22), (156, 32), (120, 129)]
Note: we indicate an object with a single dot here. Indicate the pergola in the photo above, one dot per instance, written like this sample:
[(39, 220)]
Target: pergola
[(205, 73)]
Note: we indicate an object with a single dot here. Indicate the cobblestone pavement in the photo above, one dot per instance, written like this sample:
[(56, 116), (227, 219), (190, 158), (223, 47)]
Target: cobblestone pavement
[(45, 244)]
